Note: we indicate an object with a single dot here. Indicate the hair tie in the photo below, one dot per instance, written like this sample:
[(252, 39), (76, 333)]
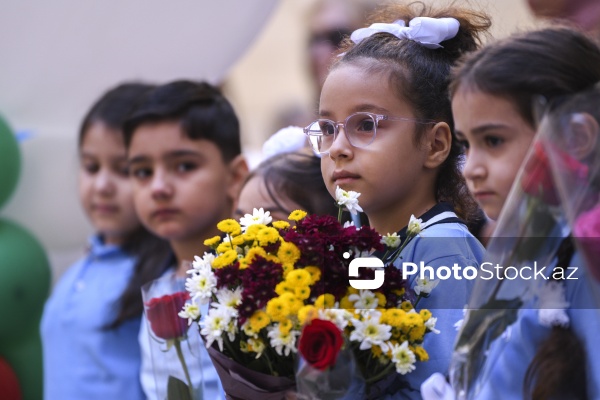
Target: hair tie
[(429, 32)]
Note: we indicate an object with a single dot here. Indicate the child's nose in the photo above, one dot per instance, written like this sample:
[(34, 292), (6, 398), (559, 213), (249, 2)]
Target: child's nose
[(340, 147), (161, 185), (474, 168), (104, 182)]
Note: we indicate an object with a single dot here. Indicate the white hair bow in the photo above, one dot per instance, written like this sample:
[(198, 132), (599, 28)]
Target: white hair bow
[(429, 32)]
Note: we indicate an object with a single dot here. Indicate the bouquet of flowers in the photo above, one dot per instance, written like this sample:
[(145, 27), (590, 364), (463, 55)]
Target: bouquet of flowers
[(267, 280)]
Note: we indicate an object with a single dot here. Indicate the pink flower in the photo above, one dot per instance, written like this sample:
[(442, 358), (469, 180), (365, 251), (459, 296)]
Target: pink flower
[(587, 233)]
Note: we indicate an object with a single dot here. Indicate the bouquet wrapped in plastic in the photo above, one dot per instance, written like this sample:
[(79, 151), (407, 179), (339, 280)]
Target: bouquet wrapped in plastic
[(552, 203)]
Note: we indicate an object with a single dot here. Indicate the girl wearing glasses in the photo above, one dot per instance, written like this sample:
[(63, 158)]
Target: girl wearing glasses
[(386, 131)]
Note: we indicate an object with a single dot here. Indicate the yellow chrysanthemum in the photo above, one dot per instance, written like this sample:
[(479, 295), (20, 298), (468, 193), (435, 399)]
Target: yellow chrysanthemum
[(253, 252), (283, 287), (267, 236), (252, 230), (399, 292), (272, 258), (417, 333), (288, 252), (225, 259), (298, 278), (238, 240), (292, 301), (325, 301), (380, 300), (346, 303), (230, 226), (307, 314), (393, 317), (285, 326), (243, 263), (425, 314), (376, 350), (297, 215), (302, 293), (421, 353), (278, 309), (259, 320), (244, 347), (287, 268), (406, 305), (315, 273), (223, 247), (281, 224), (213, 241), (352, 290)]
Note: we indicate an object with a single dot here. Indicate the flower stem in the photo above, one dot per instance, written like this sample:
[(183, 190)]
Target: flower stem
[(340, 214), (184, 365)]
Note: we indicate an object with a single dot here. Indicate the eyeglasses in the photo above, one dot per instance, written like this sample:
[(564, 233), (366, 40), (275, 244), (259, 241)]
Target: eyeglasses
[(360, 129)]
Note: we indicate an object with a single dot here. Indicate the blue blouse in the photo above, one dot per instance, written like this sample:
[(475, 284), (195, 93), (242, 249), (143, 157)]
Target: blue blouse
[(514, 350), (82, 359)]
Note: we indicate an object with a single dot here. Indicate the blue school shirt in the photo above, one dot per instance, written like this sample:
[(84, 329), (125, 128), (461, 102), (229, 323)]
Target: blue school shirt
[(204, 370), (515, 349), (82, 359), (441, 244)]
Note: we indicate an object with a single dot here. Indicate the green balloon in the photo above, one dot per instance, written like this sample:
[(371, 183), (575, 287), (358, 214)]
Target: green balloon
[(10, 162), (24, 286)]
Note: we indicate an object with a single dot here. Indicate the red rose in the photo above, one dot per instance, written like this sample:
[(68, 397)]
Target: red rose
[(9, 383), (587, 233), (162, 315), (537, 177), (320, 343)]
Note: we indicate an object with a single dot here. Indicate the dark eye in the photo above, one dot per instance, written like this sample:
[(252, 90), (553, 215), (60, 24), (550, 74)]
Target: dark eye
[(327, 128), (90, 168), (365, 125), (141, 173), (185, 166), (493, 141)]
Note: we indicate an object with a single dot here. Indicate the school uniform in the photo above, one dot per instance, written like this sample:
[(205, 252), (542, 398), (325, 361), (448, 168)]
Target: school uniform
[(157, 371), (82, 358)]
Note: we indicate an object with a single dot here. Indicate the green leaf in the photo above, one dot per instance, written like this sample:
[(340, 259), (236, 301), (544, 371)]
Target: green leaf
[(178, 390)]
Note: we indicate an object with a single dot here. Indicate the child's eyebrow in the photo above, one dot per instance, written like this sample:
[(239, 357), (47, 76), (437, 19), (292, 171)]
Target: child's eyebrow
[(479, 130), (138, 159), (181, 153)]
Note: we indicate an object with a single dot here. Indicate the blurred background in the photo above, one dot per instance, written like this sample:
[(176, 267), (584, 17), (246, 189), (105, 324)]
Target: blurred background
[(57, 57)]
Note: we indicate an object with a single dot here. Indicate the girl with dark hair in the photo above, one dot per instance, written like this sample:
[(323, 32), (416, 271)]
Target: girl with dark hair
[(284, 183), (386, 131), (493, 95), (91, 321)]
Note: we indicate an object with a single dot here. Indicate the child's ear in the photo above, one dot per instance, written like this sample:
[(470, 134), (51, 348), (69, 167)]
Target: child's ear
[(438, 144), (583, 135), (238, 171)]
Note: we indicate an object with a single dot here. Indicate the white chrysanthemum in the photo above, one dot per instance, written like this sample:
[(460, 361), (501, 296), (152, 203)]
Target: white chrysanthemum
[(430, 324), (259, 216), (391, 240), (283, 343), (258, 346), (191, 311), (370, 332), (202, 264), (414, 225), (425, 286), (349, 199), (403, 358), (214, 325), (229, 298), (201, 286), (338, 316), (365, 299), (348, 224)]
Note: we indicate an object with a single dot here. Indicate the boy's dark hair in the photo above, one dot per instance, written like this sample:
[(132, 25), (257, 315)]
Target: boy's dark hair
[(200, 108), (420, 76), (112, 109)]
